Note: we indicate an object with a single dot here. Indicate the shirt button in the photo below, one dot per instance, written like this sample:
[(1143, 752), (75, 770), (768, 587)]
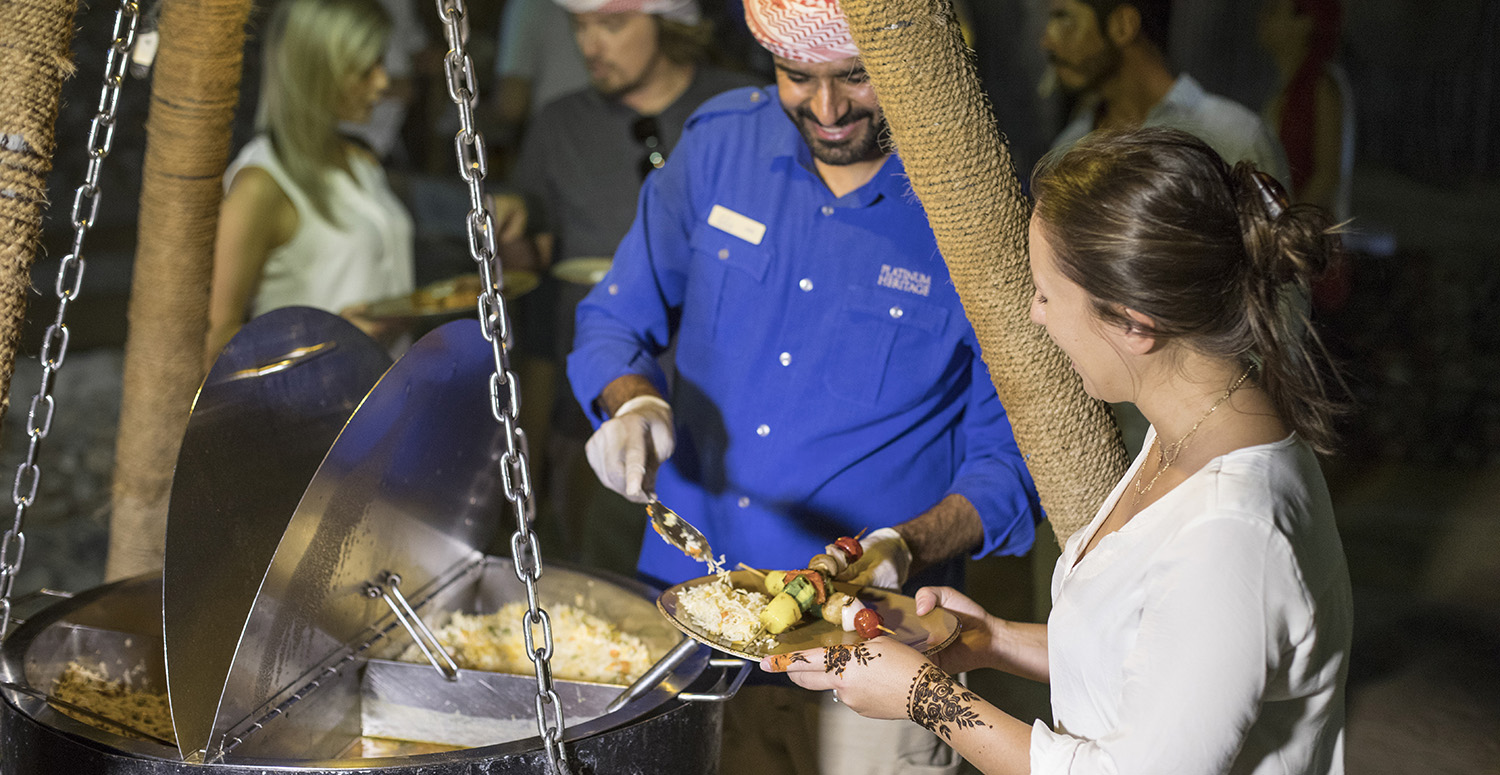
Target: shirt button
[(744, 502), (828, 209), (614, 290), (897, 312), (723, 253), (805, 284), (786, 359), (763, 430), (755, 96)]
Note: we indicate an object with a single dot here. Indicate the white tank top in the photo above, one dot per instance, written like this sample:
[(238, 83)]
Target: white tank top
[(366, 256)]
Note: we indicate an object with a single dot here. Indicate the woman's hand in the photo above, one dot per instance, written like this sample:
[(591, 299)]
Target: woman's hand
[(874, 677), (1019, 648), (974, 647)]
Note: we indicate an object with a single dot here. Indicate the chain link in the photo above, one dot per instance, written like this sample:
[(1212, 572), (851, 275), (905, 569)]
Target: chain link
[(505, 398), (69, 281)]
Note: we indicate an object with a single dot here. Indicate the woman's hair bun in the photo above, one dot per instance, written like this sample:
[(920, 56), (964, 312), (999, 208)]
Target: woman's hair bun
[(1287, 243)]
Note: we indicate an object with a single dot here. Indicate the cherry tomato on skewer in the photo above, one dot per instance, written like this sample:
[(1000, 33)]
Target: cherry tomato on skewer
[(867, 623)]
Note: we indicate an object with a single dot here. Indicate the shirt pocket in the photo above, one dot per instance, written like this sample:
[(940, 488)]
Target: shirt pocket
[(887, 349), (725, 268)]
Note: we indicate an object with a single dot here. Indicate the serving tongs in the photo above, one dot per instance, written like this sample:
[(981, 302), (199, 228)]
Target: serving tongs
[(677, 531)]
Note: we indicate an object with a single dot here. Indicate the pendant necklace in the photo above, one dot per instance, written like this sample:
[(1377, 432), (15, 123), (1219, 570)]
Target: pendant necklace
[(1170, 453)]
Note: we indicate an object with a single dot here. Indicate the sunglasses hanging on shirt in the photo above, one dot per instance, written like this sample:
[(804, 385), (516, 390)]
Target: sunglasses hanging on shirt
[(648, 133)]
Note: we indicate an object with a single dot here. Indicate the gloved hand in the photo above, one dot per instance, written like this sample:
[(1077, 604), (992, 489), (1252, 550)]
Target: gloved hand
[(884, 564), (627, 449)]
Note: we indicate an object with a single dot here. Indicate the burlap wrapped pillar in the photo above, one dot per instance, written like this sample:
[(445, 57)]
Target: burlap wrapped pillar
[(194, 93), (35, 56), (961, 170)]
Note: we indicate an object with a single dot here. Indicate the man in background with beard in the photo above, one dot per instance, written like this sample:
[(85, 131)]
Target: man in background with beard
[(827, 381), (1113, 55), (573, 194)]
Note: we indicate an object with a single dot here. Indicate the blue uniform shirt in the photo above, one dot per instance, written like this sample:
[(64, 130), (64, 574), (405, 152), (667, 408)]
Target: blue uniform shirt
[(827, 380)]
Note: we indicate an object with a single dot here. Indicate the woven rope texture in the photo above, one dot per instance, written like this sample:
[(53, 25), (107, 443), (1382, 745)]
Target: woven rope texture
[(35, 56), (961, 170)]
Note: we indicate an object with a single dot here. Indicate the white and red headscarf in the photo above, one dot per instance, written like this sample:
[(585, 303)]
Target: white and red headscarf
[(685, 11), (804, 30)]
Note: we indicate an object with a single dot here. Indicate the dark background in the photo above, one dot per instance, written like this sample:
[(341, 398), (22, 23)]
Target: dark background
[(1417, 485)]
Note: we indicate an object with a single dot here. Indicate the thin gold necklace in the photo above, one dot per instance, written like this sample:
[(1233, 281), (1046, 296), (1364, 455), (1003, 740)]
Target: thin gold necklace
[(1170, 453)]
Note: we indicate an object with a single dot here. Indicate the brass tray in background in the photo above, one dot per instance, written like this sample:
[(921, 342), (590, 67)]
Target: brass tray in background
[(928, 634), (585, 270), (453, 296)]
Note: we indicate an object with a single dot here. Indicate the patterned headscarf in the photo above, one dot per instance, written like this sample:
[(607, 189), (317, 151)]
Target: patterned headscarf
[(685, 11), (804, 30)]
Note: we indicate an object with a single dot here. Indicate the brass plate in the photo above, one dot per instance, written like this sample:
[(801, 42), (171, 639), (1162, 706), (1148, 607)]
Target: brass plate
[(583, 271), (928, 634), (453, 296)]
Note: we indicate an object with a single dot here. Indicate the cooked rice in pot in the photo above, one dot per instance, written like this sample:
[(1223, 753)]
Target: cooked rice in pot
[(585, 646)]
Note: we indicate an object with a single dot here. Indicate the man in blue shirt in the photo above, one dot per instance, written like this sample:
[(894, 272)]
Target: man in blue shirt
[(827, 380)]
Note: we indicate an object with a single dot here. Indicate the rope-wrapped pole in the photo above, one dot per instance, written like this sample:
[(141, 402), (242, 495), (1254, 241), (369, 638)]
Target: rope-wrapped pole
[(194, 92), (35, 56), (961, 170)]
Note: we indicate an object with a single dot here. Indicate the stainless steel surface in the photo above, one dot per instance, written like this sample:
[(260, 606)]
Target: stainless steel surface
[(69, 284), (117, 627), (409, 487), (653, 675), (678, 532), (742, 668), (265, 417)]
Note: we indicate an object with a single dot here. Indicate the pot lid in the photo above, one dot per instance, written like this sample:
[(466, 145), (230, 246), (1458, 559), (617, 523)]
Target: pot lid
[(306, 473)]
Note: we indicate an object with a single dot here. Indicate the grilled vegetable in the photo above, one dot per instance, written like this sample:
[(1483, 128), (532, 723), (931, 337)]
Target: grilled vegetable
[(781, 614), (868, 623), (775, 582), (851, 547)]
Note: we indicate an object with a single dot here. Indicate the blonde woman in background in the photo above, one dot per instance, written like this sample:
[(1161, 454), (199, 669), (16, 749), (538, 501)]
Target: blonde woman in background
[(308, 217)]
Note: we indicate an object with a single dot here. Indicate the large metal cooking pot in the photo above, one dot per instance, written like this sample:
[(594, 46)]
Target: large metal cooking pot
[(118, 627), (288, 571)]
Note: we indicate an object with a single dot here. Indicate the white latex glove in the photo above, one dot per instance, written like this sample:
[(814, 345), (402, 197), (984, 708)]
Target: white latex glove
[(884, 564), (627, 449)]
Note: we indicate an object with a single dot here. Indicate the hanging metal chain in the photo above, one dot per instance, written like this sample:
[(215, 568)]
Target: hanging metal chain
[(505, 394), (69, 282)]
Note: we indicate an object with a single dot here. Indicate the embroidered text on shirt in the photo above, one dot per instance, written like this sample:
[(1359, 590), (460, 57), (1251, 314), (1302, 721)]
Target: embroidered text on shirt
[(904, 280)]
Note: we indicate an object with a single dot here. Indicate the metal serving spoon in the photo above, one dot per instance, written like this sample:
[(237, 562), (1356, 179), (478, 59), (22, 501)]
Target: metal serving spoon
[(676, 531)]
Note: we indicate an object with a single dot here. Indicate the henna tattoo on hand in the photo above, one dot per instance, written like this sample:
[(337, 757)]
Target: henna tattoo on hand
[(798, 657), (836, 658), (936, 701)]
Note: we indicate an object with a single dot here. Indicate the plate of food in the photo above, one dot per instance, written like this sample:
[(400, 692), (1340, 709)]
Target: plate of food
[(455, 295), (754, 614), (583, 270)]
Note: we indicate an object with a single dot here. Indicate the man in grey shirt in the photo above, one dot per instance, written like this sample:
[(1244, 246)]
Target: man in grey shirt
[(573, 196)]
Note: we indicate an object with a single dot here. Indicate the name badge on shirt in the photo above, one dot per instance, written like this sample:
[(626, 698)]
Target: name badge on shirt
[(742, 226)]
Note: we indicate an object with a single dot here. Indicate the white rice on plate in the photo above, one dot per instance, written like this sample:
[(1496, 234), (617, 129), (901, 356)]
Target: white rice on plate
[(720, 608)]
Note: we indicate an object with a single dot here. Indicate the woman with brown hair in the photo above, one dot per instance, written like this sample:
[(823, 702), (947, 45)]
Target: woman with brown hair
[(1201, 622)]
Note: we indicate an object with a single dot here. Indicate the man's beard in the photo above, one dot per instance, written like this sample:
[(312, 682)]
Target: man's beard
[(861, 146), (614, 86), (1095, 68)]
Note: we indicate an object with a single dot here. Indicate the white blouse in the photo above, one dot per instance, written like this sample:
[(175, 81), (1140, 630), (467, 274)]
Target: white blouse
[(364, 257), (1210, 634)]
